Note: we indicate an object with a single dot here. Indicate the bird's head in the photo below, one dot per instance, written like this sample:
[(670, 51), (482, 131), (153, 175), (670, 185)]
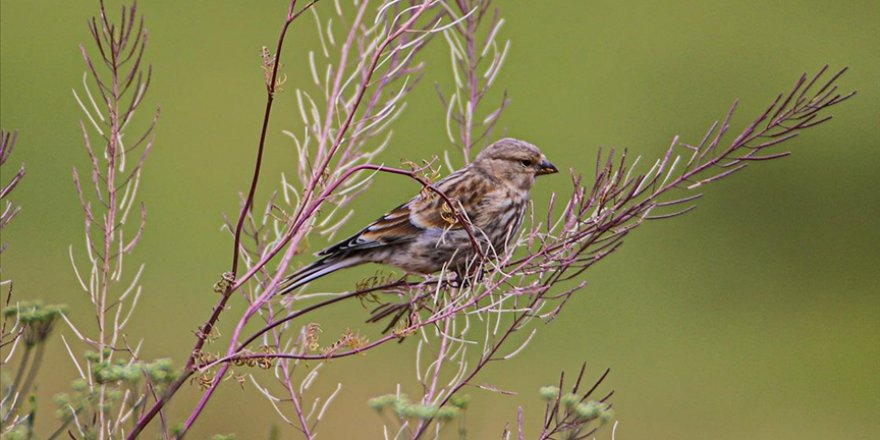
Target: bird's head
[(514, 162)]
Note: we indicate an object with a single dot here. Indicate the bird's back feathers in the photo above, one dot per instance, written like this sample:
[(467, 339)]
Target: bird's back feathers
[(425, 234), (407, 221)]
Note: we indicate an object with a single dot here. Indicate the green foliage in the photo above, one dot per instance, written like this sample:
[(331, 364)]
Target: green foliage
[(572, 414), (460, 401), (570, 400), (548, 393), (18, 433), (37, 319), (24, 428), (447, 413), (114, 378), (415, 410), (381, 402), (177, 430), (584, 411), (409, 410), (160, 372)]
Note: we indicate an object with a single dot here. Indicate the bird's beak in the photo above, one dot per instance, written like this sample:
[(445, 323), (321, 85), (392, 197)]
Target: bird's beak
[(545, 167)]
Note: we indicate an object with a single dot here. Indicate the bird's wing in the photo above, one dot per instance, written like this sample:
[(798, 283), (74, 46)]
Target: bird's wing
[(406, 222)]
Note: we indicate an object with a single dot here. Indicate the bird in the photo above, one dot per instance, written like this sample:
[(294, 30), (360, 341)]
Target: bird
[(424, 235)]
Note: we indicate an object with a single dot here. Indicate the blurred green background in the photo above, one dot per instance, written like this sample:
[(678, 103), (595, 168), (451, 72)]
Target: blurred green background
[(757, 316)]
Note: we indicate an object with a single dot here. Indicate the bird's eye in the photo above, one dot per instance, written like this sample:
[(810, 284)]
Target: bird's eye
[(526, 163)]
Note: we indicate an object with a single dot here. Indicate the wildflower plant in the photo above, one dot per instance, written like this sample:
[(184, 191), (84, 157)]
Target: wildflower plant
[(23, 324), (368, 61), (114, 383), (574, 414), (8, 210), (28, 324)]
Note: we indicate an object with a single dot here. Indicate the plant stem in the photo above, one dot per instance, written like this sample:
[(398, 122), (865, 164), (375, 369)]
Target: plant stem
[(25, 357), (29, 380), (60, 429), (208, 327)]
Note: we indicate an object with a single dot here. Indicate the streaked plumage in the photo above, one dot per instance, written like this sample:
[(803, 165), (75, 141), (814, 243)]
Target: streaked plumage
[(423, 236)]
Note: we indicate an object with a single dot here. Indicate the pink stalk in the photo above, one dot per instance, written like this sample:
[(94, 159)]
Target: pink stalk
[(206, 329), (435, 376), (337, 81), (615, 199), (296, 232)]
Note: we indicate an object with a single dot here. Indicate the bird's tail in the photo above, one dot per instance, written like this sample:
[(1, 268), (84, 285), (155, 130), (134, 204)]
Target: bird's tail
[(314, 271)]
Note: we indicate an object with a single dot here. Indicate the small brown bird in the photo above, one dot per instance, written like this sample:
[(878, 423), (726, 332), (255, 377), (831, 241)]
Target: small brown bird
[(424, 236)]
